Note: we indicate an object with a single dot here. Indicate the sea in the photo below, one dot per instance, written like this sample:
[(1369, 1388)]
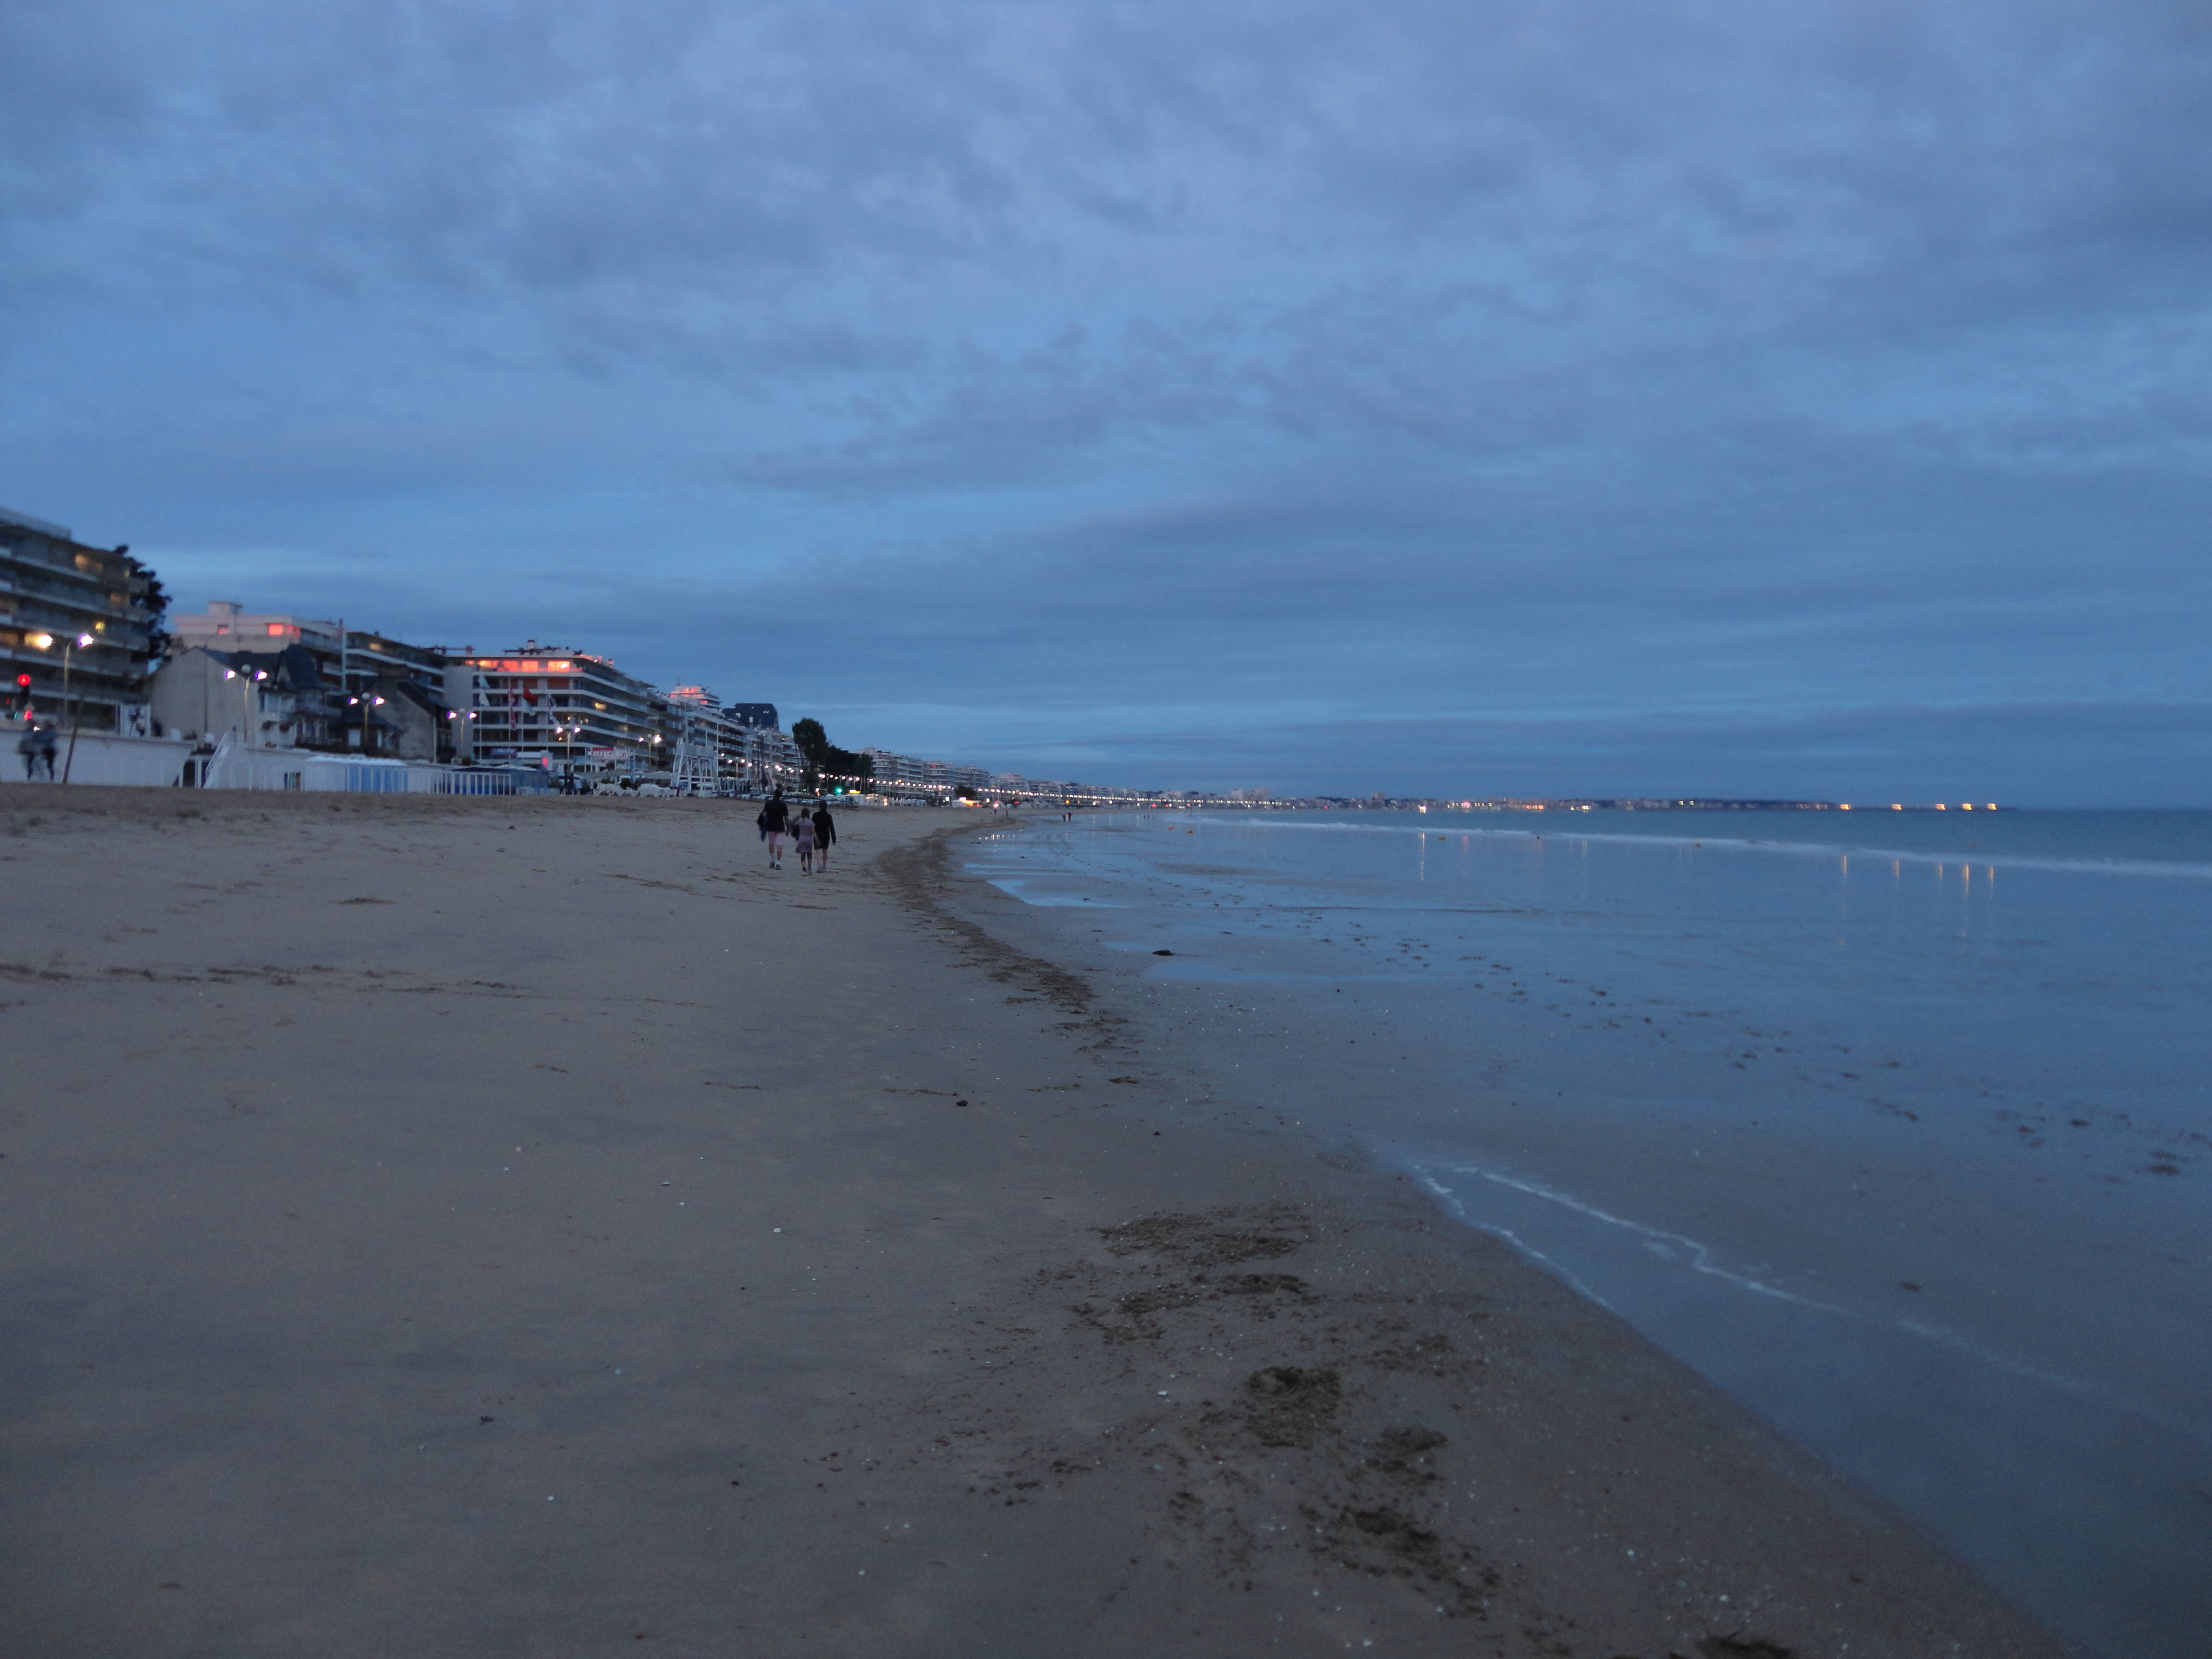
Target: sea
[(1896, 1125)]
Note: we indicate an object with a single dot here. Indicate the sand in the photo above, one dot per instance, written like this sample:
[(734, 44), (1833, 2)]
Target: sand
[(535, 1228)]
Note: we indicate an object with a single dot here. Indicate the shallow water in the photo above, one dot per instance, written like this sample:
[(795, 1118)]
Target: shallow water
[(1903, 1143)]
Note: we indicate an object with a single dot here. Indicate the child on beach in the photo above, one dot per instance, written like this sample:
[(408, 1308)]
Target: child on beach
[(825, 831), (802, 837)]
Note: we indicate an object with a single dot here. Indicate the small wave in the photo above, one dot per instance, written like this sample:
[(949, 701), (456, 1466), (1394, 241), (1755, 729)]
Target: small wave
[(1013, 886), (1701, 1259)]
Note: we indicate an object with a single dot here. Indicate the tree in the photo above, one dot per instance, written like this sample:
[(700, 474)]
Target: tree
[(813, 744), (824, 759), (155, 602)]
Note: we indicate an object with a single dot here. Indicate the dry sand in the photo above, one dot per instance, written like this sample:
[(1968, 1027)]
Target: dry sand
[(532, 1227)]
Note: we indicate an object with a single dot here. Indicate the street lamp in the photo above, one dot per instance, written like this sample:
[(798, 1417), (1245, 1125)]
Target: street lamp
[(245, 685), (367, 703), (46, 642)]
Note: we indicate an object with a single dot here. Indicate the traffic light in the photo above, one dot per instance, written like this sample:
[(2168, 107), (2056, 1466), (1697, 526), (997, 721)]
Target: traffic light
[(23, 680)]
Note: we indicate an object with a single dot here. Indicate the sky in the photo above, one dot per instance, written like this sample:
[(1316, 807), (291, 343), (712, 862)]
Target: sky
[(1724, 398)]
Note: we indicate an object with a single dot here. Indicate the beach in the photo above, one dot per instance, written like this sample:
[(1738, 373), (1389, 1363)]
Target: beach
[(532, 1226)]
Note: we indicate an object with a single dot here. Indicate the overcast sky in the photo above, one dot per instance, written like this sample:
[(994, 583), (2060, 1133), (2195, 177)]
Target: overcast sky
[(1746, 398)]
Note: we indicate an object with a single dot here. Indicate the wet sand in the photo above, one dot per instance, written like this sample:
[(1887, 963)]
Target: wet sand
[(533, 1227)]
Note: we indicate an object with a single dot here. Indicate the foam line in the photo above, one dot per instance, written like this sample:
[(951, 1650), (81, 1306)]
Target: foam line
[(1700, 1260), (1558, 1269)]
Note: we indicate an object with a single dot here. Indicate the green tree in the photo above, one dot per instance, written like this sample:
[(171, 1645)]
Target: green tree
[(155, 600), (825, 759), (813, 745)]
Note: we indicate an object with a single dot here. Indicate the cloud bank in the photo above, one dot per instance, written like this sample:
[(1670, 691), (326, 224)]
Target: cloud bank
[(1462, 398)]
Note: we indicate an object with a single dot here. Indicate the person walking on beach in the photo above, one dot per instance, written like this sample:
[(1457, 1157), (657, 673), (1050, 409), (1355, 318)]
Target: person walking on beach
[(802, 837), (774, 818), (825, 831)]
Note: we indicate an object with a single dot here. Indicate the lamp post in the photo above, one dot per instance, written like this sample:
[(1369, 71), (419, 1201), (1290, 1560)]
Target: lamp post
[(368, 701), (69, 709), (458, 716), (245, 684), (46, 642), (563, 736)]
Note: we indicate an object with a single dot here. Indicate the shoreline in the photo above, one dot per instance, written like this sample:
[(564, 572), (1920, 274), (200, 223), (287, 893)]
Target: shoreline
[(1036, 1362), (1848, 1232)]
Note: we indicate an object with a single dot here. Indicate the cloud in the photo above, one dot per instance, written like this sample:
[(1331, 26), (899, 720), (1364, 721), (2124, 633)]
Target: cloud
[(1506, 363)]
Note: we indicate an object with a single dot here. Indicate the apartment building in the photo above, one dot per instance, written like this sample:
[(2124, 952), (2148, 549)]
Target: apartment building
[(710, 743), (227, 625), (284, 681), (569, 707), (771, 759), (400, 699), (898, 771), (76, 626), (276, 698)]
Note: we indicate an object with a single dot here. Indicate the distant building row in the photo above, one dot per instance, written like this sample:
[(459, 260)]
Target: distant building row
[(82, 641), (296, 682), (896, 773)]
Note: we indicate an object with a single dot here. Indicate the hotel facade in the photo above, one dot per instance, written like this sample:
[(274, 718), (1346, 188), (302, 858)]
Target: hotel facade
[(566, 706), (76, 626)]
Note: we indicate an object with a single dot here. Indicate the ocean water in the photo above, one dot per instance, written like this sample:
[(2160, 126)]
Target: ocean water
[(1894, 1125)]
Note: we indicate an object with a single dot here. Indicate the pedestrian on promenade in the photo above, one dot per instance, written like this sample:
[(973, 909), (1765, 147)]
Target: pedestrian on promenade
[(825, 831), (37, 746), (802, 837), (774, 818)]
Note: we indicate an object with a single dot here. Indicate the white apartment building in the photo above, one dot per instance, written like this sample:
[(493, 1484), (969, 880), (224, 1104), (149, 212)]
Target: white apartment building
[(227, 625)]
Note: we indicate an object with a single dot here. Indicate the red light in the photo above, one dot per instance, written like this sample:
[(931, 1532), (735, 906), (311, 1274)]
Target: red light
[(23, 680)]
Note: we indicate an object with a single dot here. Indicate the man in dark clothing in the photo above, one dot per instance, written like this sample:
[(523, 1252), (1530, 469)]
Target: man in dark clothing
[(825, 831), (38, 748), (774, 819)]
